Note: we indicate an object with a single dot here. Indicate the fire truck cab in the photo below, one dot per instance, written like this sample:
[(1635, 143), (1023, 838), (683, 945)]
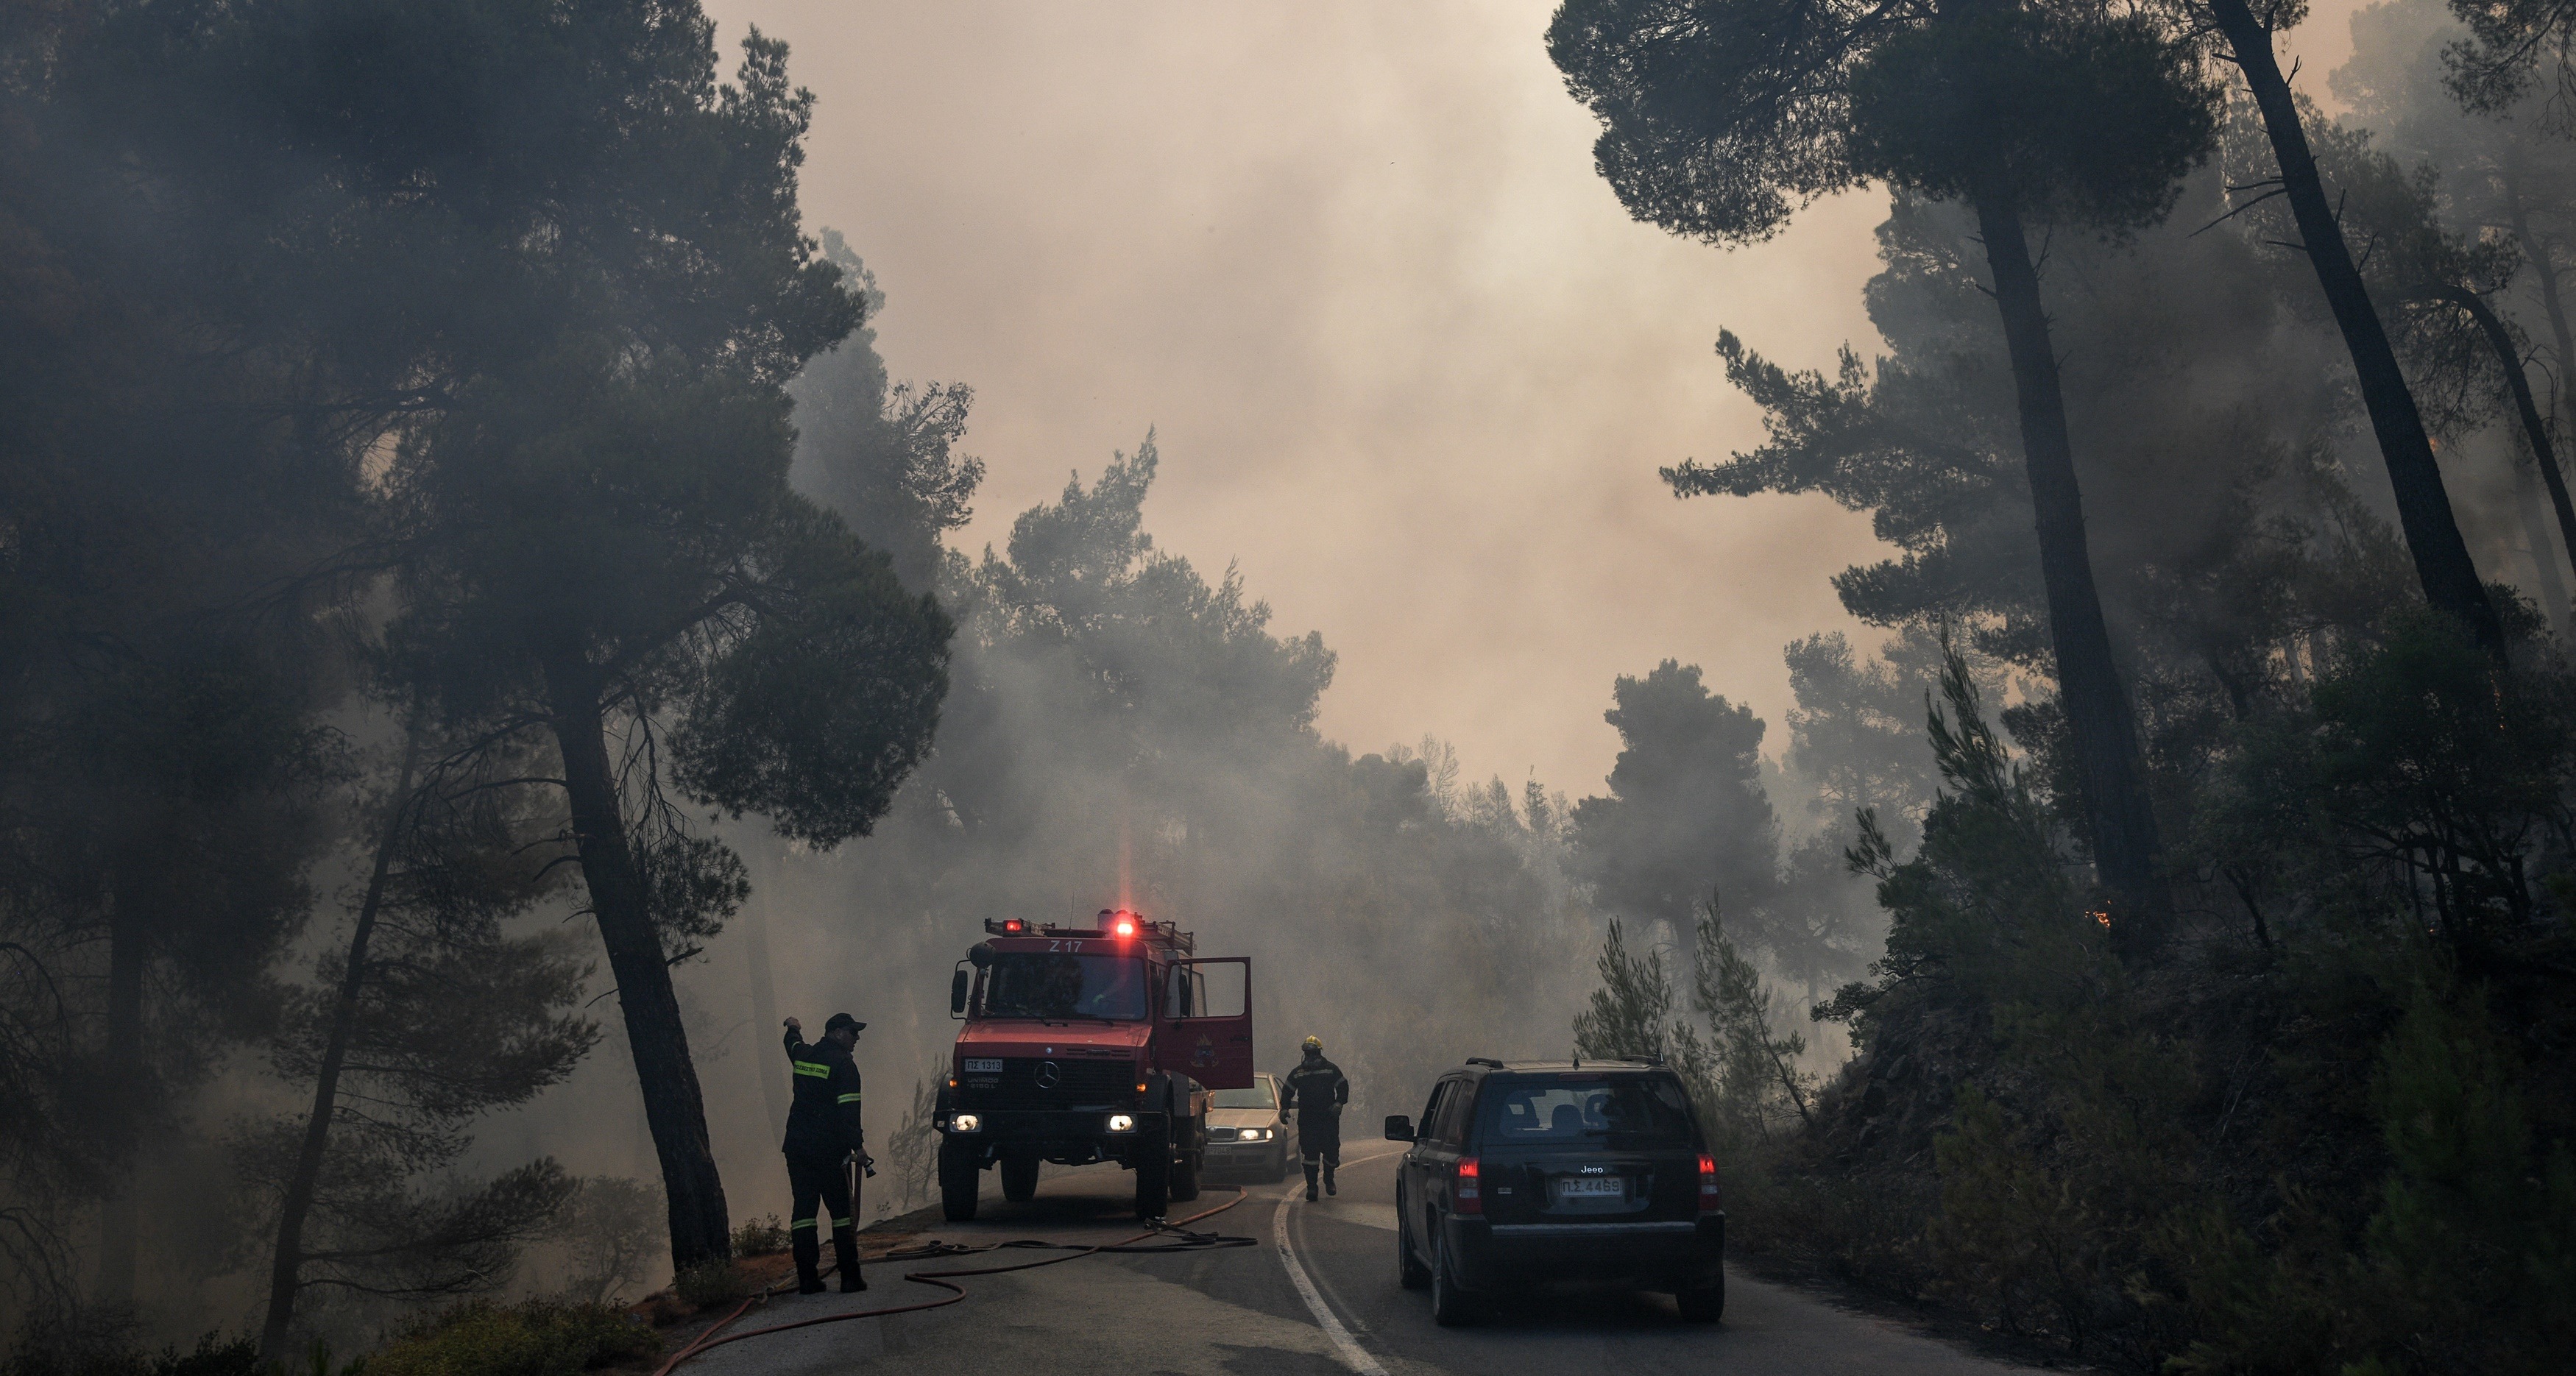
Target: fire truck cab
[(1084, 1045)]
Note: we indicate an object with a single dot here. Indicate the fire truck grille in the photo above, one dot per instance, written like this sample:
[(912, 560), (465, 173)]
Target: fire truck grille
[(1072, 1081)]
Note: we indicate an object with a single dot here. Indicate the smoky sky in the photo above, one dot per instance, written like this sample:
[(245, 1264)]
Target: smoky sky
[(1411, 366)]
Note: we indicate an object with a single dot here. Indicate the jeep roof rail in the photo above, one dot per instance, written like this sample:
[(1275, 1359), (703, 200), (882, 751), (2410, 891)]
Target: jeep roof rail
[(1485, 1060)]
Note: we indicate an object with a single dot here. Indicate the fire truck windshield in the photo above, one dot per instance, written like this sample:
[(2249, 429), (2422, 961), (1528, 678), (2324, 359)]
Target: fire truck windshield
[(1047, 984)]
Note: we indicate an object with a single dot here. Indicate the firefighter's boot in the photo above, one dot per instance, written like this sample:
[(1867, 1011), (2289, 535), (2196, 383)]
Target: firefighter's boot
[(809, 1259), (845, 1258), (1310, 1182), (1328, 1179)]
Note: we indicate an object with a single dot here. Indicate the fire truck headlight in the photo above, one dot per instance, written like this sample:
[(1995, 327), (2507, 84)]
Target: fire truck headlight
[(965, 1122), (1120, 1122)]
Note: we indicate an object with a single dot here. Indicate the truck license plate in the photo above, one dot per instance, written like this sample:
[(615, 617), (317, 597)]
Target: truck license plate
[(1592, 1187), (975, 1066)]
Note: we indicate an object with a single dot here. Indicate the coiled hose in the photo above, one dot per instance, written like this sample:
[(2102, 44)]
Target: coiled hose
[(1183, 1240)]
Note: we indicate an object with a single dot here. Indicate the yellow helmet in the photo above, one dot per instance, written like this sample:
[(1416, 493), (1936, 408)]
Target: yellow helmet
[(1313, 1044)]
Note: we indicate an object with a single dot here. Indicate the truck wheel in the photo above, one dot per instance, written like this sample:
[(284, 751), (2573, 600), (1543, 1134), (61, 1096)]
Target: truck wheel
[(961, 1177), (1019, 1179), (1153, 1176)]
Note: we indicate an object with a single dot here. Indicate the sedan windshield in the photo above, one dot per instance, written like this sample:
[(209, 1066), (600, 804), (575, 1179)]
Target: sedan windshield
[(1256, 1097), (1634, 1111), (1043, 984)]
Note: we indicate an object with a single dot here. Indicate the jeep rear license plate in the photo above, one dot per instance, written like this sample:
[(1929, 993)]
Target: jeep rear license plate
[(1592, 1187), (975, 1066)]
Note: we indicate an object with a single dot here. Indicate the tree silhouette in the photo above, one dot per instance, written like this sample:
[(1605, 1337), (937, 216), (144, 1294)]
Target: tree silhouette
[(1722, 116), (2442, 562)]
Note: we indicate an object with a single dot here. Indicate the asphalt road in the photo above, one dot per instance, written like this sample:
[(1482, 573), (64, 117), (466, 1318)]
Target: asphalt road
[(1317, 1295)]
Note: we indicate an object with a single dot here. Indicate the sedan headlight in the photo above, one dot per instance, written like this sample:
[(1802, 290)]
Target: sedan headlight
[(1120, 1122), (1254, 1135), (965, 1122)]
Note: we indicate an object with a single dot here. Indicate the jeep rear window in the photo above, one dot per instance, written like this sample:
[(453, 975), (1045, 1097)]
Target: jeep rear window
[(1045, 984), (1573, 1110)]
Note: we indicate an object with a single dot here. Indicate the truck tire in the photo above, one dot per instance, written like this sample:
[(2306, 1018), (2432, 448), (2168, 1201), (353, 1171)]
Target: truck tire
[(961, 1178), (1019, 1179), (1153, 1175)]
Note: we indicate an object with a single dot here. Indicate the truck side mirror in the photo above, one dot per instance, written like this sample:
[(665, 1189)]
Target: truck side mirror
[(957, 995), (1399, 1128)]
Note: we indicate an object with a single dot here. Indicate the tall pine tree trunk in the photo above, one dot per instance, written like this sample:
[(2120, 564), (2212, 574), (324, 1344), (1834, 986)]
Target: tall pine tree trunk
[(2544, 270), (674, 1110), (286, 1266), (2535, 431), (2442, 562), (2545, 560), (2122, 824)]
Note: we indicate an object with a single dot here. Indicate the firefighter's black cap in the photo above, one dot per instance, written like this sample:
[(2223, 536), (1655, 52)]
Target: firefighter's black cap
[(840, 1020)]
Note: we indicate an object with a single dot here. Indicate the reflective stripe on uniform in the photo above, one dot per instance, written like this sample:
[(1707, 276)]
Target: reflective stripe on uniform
[(815, 1069), (840, 1223), (849, 1098), (801, 1223)]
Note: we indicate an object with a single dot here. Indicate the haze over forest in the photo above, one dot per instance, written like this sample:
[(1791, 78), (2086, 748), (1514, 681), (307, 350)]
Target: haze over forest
[(1393, 330)]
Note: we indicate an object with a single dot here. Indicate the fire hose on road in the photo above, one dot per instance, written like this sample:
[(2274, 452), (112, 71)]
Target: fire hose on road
[(1183, 1240)]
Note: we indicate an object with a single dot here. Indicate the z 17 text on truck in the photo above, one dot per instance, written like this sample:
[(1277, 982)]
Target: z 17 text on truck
[(1086, 1045)]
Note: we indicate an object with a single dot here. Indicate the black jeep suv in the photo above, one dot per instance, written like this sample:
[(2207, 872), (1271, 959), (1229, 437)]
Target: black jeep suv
[(1547, 1170)]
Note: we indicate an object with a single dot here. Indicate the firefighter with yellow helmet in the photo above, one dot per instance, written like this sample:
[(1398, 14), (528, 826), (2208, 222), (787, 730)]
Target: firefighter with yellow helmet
[(1316, 1091)]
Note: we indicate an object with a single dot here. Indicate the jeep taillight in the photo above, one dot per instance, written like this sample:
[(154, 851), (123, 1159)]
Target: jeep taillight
[(1708, 1201), (1470, 1195)]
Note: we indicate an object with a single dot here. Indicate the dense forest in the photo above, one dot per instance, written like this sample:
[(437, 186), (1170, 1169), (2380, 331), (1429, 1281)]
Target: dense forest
[(2222, 1014), (484, 634)]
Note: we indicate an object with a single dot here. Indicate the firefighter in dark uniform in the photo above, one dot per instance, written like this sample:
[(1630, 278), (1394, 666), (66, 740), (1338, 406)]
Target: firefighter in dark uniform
[(1317, 1089), (822, 1135)]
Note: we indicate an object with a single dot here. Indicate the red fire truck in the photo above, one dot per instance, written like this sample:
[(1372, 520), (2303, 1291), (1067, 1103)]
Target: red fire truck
[(1089, 1044)]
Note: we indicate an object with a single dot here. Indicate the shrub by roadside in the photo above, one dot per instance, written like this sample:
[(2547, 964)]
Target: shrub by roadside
[(536, 1338), (760, 1237), (47, 1353)]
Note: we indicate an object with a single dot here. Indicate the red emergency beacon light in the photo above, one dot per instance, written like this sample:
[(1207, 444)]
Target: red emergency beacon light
[(1012, 926)]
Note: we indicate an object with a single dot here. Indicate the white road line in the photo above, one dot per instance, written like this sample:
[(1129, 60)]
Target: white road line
[(1344, 1345)]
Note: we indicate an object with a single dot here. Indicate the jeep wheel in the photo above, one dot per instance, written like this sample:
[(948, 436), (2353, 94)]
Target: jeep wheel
[(1019, 1179), (961, 1177), (1409, 1273), (1153, 1175), (1450, 1306), (1703, 1306)]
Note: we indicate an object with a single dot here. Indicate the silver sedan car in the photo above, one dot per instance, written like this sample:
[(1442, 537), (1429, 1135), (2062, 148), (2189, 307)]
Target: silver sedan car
[(1246, 1133)]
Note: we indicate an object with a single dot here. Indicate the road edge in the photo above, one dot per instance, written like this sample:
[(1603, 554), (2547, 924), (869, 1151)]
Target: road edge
[(1345, 1346)]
